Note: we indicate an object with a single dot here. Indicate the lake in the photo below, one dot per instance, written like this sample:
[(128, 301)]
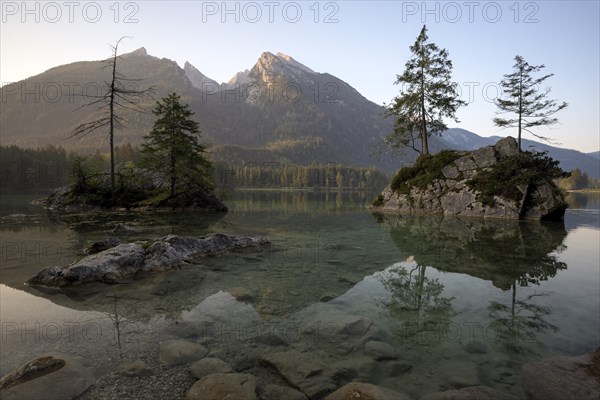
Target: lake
[(460, 302)]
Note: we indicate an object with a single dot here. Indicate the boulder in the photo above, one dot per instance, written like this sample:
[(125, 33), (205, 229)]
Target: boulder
[(470, 393), (564, 378), (209, 365), (223, 387), (365, 391), (121, 262), (177, 352), (102, 245), (51, 376), (380, 351), (276, 392), (304, 371)]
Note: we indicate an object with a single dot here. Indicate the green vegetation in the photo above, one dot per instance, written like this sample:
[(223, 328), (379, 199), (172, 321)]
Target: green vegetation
[(378, 201), (317, 176), (505, 177), (426, 169), (524, 99), (578, 180), (172, 149), (428, 96)]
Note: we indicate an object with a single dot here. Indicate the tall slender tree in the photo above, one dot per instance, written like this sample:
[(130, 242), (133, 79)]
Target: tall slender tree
[(524, 99), (427, 96), (120, 94), (173, 149)]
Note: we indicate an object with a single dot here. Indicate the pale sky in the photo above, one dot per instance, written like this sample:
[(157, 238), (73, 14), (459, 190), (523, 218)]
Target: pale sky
[(363, 43)]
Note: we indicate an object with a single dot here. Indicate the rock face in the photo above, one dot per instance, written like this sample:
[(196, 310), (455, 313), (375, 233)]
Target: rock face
[(563, 378), (452, 196), (49, 377), (123, 261)]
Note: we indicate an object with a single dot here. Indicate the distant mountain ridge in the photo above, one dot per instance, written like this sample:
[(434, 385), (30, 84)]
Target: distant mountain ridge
[(278, 111)]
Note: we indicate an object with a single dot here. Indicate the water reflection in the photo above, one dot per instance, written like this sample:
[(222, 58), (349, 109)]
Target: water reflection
[(511, 254)]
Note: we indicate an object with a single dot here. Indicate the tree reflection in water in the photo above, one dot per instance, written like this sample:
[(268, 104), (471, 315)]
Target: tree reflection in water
[(510, 254)]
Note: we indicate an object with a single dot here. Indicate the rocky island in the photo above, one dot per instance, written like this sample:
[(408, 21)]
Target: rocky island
[(491, 182)]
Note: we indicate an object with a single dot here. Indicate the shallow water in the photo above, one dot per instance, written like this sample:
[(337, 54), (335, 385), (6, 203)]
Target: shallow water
[(463, 302)]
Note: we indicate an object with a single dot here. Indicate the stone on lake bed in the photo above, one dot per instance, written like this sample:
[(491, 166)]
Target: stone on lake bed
[(207, 366), (51, 376), (241, 294), (470, 393), (365, 391), (223, 387), (177, 352), (380, 351), (276, 392)]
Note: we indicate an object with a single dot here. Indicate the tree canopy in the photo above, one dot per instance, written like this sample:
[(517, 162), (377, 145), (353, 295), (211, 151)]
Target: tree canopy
[(172, 149), (427, 96), (523, 98)]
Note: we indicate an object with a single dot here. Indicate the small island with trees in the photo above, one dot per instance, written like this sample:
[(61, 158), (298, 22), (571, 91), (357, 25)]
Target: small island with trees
[(499, 181)]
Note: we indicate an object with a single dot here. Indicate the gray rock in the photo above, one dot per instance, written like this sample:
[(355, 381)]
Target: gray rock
[(122, 262), (562, 378), (177, 352), (135, 368), (451, 172), (358, 390), (304, 371), (208, 366), (102, 245), (110, 266), (223, 387), (470, 393), (507, 147), (451, 196), (51, 376), (276, 392), (460, 374), (485, 156), (241, 294), (380, 351)]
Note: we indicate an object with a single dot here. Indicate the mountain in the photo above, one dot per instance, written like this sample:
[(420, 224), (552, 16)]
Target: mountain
[(276, 107), (277, 111), (595, 154), (569, 159), (197, 78)]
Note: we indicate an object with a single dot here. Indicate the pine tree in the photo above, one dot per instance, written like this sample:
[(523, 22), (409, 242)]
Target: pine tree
[(523, 98), (427, 97), (173, 150)]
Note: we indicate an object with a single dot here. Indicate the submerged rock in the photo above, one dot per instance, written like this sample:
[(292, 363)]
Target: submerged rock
[(276, 392), (223, 386), (470, 393), (365, 391), (49, 377), (178, 352), (123, 261), (450, 191), (563, 378), (135, 368), (209, 365)]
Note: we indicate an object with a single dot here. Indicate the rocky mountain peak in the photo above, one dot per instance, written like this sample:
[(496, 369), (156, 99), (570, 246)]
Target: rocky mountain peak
[(197, 78), (270, 65), (241, 77), (136, 53)]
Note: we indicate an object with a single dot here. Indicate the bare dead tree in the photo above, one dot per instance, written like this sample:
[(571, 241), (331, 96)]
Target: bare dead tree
[(120, 94)]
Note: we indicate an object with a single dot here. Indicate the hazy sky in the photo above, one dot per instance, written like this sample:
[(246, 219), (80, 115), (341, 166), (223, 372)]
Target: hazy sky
[(363, 43)]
